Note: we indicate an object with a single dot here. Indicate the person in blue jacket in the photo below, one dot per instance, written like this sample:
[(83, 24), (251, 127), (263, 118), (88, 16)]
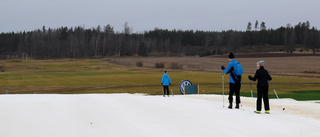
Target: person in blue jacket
[(165, 82), (234, 81)]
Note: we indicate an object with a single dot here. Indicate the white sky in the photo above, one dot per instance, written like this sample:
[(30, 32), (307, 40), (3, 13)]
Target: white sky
[(141, 15)]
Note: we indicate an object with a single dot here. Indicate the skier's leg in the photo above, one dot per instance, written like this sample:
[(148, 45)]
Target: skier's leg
[(259, 99), (266, 99), (165, 88), (231, 91), (237, 91)]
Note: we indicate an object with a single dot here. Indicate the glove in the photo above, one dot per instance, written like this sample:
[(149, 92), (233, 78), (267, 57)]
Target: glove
[(249, 77), (222, 67), (170, 84), (161, 84)]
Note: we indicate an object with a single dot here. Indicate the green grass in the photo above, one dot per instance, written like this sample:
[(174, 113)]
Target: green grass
[(303, 95), (297, 95), (77, 76)]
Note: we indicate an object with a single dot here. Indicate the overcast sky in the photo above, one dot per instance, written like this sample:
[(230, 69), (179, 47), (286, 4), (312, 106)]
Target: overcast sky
[(141, 15)]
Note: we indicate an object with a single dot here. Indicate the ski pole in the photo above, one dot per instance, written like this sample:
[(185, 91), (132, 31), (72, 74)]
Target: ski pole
[(277, 96), (251, 93), (223, 87), (162, 91), (171, 91)]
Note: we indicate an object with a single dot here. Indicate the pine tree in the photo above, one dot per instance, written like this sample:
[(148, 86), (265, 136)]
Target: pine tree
[(249, 26), (263, 26), (256, 25)]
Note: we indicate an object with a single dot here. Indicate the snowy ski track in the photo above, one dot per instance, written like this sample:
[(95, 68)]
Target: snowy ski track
[(137, 115)]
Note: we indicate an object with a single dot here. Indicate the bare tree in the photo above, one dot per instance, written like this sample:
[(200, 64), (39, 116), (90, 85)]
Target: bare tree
[(127, 29), (95, 40), (289, 38)]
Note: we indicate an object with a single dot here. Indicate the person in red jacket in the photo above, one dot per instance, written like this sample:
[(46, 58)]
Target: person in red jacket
[(262, 87)]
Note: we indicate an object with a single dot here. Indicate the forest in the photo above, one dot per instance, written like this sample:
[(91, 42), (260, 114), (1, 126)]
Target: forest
[(81, 42)]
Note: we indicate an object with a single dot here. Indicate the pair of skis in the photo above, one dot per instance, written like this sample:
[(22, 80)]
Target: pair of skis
[(171, 92)]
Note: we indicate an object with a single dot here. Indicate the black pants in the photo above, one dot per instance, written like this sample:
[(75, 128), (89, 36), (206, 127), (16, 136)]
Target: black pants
[(234, 88), (165, 88), (263, 93)]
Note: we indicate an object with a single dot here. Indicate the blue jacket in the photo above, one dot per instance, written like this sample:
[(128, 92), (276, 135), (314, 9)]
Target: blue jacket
[(166, 81), (232, 77)]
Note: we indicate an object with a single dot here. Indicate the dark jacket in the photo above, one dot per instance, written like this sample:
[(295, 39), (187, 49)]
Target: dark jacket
[(263, 76)]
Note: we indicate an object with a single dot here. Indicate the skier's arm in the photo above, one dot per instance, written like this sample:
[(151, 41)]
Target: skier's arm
[(162, 80), (255, 76), (229, 68), (269, 77)]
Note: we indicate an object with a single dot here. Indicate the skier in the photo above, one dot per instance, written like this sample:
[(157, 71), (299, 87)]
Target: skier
[(262, 87), (165, 82), (234, 80)]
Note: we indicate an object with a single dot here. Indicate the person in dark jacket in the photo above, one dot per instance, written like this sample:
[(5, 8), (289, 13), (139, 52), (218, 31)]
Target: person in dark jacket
[(165, 82), (262, 87), (234, 81)]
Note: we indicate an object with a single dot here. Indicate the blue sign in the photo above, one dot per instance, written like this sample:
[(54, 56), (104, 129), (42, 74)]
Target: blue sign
[(184, 83)]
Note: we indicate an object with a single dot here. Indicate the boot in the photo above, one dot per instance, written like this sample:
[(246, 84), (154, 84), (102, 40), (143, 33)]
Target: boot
[(267, 112), (237, 106), (230, 106)]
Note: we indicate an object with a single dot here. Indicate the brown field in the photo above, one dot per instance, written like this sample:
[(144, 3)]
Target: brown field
[(293, 65)]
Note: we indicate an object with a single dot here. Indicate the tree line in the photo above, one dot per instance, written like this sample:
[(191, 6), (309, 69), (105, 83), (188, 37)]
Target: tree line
[(79, 42)]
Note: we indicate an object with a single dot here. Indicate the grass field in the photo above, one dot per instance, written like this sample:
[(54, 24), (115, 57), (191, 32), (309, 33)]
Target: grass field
[(76, 76)]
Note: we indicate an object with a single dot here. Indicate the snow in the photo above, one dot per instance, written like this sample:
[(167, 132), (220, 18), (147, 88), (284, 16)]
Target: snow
[(137, 115)]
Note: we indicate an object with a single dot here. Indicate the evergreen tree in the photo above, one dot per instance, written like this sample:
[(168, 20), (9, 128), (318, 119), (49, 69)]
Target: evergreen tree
[(249, 26), (78, 42), (263, 26), (256, 25)]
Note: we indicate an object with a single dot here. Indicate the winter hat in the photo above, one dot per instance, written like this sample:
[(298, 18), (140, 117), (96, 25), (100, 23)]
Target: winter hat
[(231, 56), (261, 63)]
